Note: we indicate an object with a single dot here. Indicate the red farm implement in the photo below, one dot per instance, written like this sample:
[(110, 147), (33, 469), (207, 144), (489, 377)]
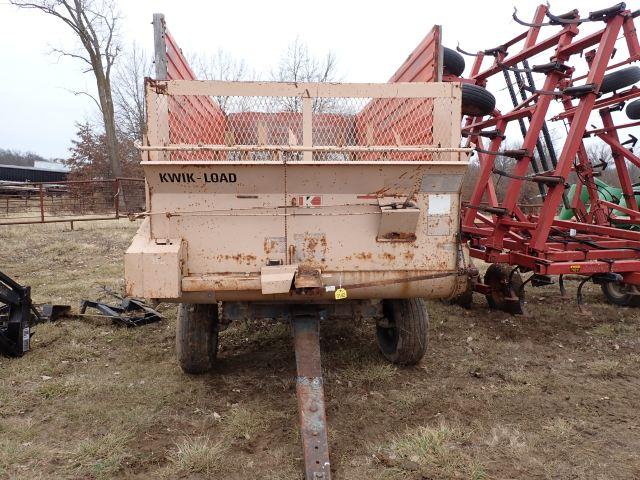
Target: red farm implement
[(597, 236)]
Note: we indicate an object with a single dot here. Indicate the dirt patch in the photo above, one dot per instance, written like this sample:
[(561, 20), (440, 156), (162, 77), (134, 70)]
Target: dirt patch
[(550, 394)]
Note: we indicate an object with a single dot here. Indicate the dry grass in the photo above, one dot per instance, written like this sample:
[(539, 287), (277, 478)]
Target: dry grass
[(496, 396), (197, 455)]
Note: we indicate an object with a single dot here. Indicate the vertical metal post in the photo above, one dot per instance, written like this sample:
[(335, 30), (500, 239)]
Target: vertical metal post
[(116, 197), (41, 204), (310, 392), (158, 105), (159, 45), (307, 126)]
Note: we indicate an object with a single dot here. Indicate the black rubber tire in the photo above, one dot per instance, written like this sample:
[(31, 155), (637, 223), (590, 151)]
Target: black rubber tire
[(404, 338), (633, 110), (622, 78), (197, 337), (497, 277), (452, 62), (616, 293), (477, 101)]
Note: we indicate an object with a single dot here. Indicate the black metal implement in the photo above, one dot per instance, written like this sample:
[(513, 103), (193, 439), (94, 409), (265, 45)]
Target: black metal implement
[(16, 317), (130, 313), (310, 392)]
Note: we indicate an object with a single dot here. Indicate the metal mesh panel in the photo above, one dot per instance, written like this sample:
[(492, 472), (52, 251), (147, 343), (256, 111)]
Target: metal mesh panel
[(286, 127)]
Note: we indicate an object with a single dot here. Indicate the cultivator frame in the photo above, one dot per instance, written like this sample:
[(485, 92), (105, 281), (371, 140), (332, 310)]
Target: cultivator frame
[(543, 244)]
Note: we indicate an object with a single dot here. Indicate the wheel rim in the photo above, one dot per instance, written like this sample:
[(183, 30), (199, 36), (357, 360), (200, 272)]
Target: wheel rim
[(388, 336), (618, 290)]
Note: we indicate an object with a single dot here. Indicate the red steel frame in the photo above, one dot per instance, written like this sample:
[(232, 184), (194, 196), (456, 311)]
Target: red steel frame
[(542, 243)]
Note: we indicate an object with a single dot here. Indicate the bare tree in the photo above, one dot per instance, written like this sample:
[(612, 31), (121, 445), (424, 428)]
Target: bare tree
[(95, 24), (297, 64), (223, 66), (128, 91)]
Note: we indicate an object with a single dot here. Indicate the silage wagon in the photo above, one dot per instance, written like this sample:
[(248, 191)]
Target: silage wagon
[(298, 201)]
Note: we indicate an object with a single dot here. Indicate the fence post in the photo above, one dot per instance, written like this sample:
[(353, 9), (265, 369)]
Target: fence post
[(41, 204), (116, 185)]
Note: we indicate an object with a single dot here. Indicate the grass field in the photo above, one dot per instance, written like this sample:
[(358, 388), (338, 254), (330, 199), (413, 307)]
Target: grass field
[(554, 393)]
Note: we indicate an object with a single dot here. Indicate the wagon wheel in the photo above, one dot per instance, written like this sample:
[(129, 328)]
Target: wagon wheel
[(197, 337), (506, 293), (622, 78), (477, 101), (633, 110), (621, 294), (403, 334), (452, 62)]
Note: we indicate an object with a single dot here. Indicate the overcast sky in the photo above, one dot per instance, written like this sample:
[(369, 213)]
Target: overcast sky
[(370, 39)]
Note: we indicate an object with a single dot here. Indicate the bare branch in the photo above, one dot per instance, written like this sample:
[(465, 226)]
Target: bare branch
[(82, 92), (128, 91), (297, 64), (64, 53), (223, 66), (94, 23)]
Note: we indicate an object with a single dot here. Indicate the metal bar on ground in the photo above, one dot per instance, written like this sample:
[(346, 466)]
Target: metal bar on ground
[(310, 392)]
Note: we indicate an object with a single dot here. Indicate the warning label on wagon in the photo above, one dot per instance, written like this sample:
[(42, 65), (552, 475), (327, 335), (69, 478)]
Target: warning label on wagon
[(309, 201)]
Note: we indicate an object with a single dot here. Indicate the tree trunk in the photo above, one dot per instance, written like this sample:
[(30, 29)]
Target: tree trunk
[(108, 115)]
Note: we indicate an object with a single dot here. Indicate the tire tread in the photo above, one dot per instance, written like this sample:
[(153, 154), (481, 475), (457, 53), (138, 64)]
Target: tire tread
[(197, 337)]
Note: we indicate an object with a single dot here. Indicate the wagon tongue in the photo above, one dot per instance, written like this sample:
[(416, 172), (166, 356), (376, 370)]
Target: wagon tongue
[(310, 393)]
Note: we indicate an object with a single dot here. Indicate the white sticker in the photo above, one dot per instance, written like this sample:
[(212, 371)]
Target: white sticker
[(330, 288), (439, 204), (26, 336)]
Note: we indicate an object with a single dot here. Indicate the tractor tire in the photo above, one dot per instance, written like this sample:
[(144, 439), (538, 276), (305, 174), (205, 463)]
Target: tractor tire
[(452, 62), (622, 78), (621, 294), (497, 278), (477, 101), (403, 335), (633, 110), (197, 337)]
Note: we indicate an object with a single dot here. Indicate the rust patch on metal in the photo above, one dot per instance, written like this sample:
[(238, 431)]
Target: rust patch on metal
[(363, 256), (241, 258), (408, 256), (398, 237), (311, 249), (159, 86), (388, 257)]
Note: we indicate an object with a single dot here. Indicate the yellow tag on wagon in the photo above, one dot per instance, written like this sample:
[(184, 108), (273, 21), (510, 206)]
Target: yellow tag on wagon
[(341, 294)]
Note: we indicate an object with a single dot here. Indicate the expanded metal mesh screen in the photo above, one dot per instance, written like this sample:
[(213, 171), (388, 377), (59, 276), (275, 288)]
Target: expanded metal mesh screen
[(278, 127)]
